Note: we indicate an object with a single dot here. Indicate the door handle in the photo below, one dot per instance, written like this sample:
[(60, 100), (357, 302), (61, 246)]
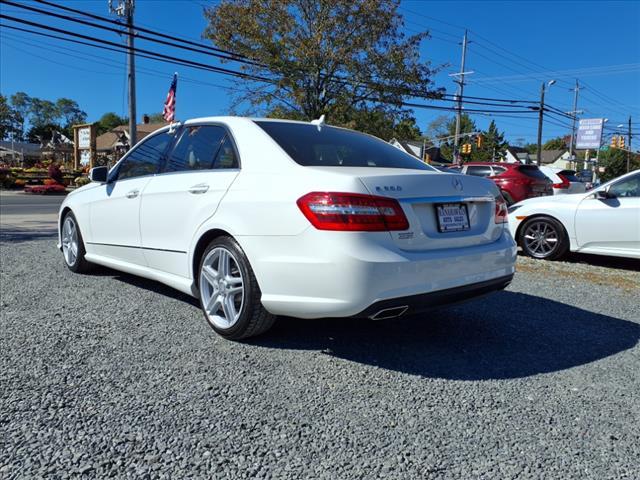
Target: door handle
[(133, 193), (200, 188)]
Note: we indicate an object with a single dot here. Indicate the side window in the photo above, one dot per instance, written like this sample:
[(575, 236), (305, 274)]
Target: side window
[(226, 157), (498, 170), (145, 158), (629, 187), (196, 149), (479, 170)]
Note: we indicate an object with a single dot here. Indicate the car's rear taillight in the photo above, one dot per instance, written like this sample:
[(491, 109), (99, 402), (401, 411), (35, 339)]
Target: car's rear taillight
[(563, 184), (352, 212), (501, 210)]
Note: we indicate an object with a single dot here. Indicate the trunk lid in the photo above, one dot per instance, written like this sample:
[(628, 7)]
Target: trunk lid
[(420, 193)]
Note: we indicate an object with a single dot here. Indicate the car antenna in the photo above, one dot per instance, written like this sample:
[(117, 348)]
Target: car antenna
[(319, 122)]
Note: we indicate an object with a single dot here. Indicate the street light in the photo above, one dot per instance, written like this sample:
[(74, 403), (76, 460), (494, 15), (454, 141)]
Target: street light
[(540, 116)]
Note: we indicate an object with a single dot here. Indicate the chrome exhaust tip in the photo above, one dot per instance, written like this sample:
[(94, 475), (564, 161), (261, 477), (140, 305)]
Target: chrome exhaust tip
[(386, 313)]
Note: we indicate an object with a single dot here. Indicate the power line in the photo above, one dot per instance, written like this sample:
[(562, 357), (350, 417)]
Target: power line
[(119, 31), (137, 27), (160, 56)]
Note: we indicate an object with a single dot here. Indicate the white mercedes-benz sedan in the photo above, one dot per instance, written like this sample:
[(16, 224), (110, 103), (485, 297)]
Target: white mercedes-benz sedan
[(259, 218), (604, 221)]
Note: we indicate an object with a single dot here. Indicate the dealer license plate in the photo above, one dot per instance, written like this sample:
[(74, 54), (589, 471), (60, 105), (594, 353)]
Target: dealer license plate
[(452, 217)]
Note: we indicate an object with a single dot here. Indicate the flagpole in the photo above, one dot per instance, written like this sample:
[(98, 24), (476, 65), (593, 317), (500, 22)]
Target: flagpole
[(175, 108)]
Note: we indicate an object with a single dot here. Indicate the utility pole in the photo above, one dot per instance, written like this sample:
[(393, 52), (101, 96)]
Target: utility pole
[(460, 82), (540, 117), (629, 146), (125, 9), (574, 114)]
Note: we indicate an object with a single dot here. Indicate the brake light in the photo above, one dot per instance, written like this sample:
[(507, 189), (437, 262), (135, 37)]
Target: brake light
[(563, 184), (501, 215), (352, 212)]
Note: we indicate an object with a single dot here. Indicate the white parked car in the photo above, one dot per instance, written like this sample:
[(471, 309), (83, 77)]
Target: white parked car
[(563, 181), (603, 221), (259, 218)]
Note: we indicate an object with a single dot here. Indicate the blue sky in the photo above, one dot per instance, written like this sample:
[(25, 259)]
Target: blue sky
[(514, 46)]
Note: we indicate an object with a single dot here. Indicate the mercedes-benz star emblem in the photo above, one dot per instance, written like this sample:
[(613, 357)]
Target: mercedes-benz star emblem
[(457, 184)]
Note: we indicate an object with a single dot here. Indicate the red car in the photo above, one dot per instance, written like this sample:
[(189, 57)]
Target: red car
[(516, 181)]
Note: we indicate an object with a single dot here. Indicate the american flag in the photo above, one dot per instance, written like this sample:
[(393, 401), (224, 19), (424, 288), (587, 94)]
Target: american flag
[(169, 111)]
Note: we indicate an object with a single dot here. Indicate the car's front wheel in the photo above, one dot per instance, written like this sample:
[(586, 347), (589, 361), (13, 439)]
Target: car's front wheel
[(544, 238), (229, 292), (73, 245)]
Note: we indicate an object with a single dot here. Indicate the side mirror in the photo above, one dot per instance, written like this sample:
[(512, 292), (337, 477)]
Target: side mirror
[(603, 195), (98, 174)]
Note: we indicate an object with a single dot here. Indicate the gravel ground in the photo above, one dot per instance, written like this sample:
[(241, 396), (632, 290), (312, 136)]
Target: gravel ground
[(110, 375)]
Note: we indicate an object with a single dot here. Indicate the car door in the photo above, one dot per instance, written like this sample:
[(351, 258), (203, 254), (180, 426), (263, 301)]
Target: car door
[(115, 212), (611, 223), (197, 173)]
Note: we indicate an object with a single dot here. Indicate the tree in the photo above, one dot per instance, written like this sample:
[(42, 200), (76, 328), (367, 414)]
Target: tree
[(493, 145), (109, 121), (614, 162), (43, 112), (345, 59), (437, 129), (467, 125), (69, 112), (42, 133), (558, 143), (21, 104), (384, 125), (7, 118), (157, 118)]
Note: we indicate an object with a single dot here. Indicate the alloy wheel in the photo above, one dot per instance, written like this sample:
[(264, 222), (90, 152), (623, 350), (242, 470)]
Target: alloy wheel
[(541, 238), (70, 240), (221, 288)]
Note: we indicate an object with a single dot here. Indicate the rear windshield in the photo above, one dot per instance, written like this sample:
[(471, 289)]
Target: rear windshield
[(337, 147), (532, 171), (569, 175)]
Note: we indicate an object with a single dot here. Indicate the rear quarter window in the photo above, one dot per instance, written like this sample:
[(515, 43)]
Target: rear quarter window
[(337, 147), (479, 170), (532, 171), (569, 175)]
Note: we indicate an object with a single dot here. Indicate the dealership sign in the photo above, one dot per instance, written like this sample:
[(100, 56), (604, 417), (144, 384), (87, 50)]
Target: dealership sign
[(589, 133)]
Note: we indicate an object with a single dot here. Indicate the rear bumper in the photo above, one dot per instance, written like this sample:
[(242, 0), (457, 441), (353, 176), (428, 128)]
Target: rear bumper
[(428, 301), (328, 274)]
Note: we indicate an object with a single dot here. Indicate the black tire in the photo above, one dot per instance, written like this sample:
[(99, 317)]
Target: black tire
[(543, 238), (79, 263), (507, 198), (252, 319)]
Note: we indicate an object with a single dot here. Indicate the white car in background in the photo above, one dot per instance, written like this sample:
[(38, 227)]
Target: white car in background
[(563, 181), (259, 218), (604, 221)]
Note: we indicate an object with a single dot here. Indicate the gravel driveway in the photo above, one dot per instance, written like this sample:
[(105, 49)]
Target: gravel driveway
[(110, 375)]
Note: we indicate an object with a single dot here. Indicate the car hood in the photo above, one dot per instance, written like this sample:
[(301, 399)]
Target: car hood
[(570, 198)]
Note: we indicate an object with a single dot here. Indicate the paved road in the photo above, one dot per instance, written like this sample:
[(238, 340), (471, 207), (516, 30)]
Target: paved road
[(27, 217), (108, 375), (15, 203)]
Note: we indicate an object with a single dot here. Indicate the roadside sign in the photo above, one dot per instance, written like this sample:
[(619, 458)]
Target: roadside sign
[(84, 137), (589, 133), (604, 148)]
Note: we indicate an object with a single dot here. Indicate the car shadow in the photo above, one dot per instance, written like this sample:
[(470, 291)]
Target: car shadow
[(502, 336), (19, 234), (144, 283), (619, 263)]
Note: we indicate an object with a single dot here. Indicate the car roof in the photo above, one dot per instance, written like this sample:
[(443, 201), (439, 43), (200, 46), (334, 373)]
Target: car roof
[(491, 164)]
